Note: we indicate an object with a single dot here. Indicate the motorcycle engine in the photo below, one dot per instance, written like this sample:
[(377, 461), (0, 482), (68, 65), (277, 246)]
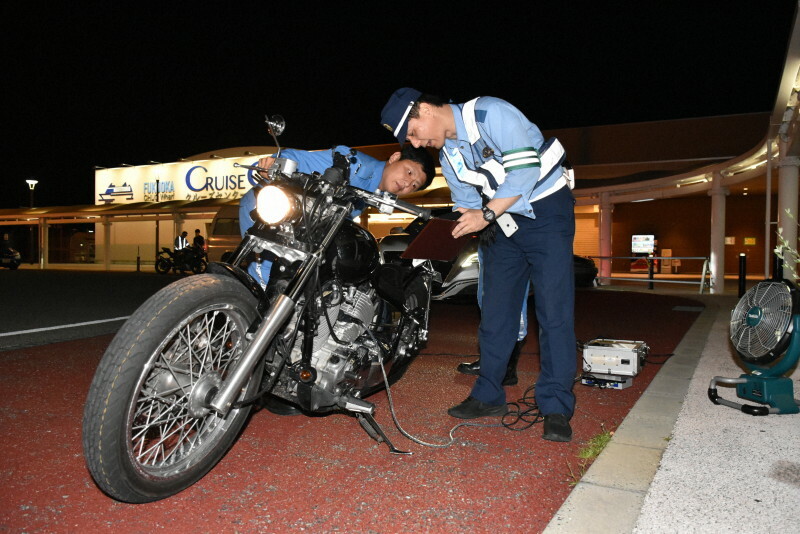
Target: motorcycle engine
[(347, 351)]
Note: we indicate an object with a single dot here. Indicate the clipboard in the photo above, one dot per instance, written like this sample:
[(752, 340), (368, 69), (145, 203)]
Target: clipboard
[(436, 242)]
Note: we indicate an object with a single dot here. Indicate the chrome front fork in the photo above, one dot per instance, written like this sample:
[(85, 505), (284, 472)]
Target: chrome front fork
[(280, 311)]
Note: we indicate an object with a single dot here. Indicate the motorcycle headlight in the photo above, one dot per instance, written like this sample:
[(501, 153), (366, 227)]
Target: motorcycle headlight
[(274, 205)]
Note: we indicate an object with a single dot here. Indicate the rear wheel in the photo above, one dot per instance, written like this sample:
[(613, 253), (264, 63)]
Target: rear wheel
[(147, 433), (199, 267), (411, 338)]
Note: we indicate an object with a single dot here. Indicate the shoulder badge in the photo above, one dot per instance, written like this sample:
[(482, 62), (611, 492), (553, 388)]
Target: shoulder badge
[(487, 152), (388, 128)]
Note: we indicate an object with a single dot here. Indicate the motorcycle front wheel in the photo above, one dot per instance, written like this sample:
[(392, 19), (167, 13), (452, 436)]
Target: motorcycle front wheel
[(147, 433), (163, 265)]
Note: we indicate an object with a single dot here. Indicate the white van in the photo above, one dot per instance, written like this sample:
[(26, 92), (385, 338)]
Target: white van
[(223, 233)]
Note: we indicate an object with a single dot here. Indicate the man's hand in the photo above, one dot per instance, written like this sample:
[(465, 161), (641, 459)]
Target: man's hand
[(471, 221), (266, 163)]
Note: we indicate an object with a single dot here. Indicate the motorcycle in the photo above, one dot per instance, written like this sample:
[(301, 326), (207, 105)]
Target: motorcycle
[(333, 326), (187, 259), (10, 258)]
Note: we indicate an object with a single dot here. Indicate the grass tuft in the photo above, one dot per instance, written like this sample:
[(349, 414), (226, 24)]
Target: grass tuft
[(588, 453)]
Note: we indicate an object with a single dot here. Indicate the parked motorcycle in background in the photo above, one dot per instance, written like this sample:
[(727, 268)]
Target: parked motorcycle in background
[(187, 259), (9, 257), (333, 326)]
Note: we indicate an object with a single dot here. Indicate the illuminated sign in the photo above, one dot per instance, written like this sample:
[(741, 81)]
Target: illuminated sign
[(643, 244), (190, 180)]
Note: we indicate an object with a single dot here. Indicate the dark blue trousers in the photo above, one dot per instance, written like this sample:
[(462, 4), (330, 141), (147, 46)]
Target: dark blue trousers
[(540, 250)]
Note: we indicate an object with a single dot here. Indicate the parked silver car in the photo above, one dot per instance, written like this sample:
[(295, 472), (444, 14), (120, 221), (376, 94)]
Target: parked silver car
[(460, 276)]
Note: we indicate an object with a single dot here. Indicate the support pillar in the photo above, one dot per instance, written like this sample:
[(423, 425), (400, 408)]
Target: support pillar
[(178, 220), (768, 214), (606, 209), (717, 259), (44, 243), (787, 210), (107, 243), (364, 217)]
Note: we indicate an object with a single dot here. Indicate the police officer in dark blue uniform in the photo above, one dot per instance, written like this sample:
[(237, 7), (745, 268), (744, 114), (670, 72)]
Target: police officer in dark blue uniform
[(504, 177)]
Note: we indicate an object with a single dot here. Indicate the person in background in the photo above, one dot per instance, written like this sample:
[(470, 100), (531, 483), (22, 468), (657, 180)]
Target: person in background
[(506, 180), (474, 367), (181, 242), (406, 171), (181, 246), (199, 241)]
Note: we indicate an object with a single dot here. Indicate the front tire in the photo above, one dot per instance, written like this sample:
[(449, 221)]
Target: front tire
[(163, 265), (146, 432)]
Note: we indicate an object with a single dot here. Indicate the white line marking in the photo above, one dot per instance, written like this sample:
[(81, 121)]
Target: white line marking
[(34, 330)]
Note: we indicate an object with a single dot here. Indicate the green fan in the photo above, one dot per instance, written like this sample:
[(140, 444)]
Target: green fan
[(765, 331)]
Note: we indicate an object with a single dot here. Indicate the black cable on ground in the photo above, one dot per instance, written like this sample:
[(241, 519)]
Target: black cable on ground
[(524, 413), (416, 440)]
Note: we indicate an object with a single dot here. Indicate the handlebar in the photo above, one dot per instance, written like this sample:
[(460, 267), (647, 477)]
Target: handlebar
[(387, 202), (251, 167), (424, 213)]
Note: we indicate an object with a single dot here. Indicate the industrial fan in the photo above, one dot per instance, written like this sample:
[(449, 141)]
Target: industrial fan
[(765, 331)]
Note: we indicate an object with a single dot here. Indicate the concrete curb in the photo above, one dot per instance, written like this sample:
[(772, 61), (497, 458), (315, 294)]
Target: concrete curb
[(610, 495)]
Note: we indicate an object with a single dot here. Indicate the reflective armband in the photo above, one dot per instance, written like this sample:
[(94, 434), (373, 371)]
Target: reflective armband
[(551, 155)]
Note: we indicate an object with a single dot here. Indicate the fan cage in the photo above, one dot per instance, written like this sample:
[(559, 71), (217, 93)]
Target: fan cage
[(761, 323)]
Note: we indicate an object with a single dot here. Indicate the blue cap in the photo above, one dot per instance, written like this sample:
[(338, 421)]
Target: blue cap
[(394, 115)]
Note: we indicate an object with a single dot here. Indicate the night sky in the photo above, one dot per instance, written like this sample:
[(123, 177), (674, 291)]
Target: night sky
[(123, 82)]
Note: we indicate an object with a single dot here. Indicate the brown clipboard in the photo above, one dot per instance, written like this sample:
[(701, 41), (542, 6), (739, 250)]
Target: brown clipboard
[(436, 242)]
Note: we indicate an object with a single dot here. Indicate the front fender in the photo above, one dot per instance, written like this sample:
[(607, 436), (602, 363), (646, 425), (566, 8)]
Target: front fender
[(239, 274)]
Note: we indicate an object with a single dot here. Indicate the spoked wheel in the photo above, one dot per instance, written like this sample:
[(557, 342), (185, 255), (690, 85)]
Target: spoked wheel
[(147, 433), (411, 337), (163, 265)]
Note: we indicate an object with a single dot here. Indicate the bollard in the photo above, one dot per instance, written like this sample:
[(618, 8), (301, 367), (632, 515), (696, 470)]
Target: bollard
[(742, 273), (777, 265), (138, 260)]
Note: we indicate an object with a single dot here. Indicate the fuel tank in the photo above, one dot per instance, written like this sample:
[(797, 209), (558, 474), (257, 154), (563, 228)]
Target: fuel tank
[(353, 256)]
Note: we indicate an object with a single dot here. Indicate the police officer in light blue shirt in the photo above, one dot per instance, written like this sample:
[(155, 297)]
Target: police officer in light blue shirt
[(505, 178), (406, 171)]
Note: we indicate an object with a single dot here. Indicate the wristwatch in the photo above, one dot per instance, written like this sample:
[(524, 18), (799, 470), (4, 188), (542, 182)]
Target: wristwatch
[(488, 215)]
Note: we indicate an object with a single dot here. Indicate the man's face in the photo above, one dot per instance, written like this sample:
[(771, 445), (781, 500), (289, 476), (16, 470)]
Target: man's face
[(426, 130), (402, 177)]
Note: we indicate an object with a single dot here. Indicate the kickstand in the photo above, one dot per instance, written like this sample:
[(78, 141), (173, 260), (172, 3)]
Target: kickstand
[(371, 426)]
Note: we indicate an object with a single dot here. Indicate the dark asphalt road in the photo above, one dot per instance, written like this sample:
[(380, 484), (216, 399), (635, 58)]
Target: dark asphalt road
[(48, 302)]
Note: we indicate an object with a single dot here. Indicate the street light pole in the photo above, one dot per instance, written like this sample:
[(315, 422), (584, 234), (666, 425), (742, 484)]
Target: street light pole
[(31, 184)]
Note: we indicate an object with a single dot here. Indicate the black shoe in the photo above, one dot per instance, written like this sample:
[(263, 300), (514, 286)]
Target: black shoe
[(556, 427), (510, 379), (472, 408), (279, 406), (467, 368), (474, 368)]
